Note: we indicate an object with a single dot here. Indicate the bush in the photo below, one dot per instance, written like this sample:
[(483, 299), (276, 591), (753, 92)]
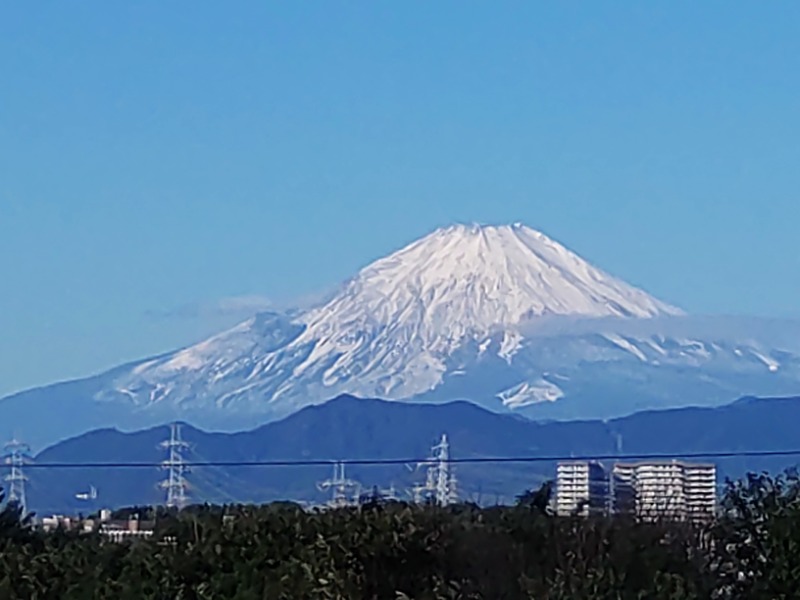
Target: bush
[(399, 551)]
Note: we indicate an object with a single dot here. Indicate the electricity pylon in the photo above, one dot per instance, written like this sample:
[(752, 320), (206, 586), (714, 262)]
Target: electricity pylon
[(175, 483), (440, 482), (17, 456)]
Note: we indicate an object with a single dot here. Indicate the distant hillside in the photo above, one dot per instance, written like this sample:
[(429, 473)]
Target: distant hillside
[(351, 428)]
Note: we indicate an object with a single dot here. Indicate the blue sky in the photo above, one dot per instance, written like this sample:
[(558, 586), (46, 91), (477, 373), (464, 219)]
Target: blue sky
[(159, 160)]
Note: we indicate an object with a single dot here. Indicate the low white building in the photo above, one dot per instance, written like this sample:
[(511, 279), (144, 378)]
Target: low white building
[(119, 531)]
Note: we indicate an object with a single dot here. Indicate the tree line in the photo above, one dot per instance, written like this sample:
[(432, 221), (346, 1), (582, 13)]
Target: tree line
[(398, 551)]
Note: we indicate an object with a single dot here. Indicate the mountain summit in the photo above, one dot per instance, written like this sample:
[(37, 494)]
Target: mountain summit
[(485, 276), (392, 330), (399, 320), (447, 317)]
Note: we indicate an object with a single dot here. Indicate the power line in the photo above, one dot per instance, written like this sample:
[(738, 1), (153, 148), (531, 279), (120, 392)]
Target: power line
[(406, 461)]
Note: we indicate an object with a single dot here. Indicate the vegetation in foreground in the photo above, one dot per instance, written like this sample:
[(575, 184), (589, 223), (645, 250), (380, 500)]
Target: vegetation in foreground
[(398, 551)]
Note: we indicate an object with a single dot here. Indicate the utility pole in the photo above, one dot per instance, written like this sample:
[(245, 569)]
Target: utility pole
[(16, 456), (175, 483)]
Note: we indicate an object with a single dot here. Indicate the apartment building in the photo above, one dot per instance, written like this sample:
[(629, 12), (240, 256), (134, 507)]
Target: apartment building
[(700, 490), (648, 489), (581, 488), (659, 489)]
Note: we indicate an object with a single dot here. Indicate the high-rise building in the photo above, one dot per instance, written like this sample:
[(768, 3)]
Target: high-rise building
[(581, 488), (658, 489)]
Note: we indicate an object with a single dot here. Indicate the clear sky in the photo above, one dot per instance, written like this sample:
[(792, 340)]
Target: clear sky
[(166, 166)]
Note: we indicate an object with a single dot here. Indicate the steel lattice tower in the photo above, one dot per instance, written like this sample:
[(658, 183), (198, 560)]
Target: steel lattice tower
[(175, 483), (445, 480), (16, 456), (440, 482)]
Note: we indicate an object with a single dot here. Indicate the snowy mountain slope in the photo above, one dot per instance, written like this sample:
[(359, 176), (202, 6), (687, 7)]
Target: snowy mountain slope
[(598, 368), (501, 315), (391, 330)]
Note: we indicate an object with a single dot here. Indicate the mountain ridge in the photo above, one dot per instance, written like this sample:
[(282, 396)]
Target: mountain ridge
[(349, 428)]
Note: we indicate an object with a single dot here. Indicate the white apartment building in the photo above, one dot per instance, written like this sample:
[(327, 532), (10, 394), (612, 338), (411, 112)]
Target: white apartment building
[(581, 488), (657, 489), (700, 490)]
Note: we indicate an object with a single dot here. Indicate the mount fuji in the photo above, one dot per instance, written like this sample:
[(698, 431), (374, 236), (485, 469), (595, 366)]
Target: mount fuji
[(502, 316)]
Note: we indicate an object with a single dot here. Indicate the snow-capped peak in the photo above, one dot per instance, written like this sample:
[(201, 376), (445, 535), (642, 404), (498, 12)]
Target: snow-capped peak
[(396, 330), (484, 276), (412, 309), (458, 314)]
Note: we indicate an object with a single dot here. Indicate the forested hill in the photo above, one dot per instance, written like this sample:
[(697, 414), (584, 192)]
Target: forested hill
[(350, 428)]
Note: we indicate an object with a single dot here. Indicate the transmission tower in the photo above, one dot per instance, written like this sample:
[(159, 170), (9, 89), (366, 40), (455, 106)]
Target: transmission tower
[(339, 486), (175, 483), (17, 456), (440, 482)]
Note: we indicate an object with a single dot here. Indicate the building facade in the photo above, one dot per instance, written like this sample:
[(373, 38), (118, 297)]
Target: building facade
[(665, 489), (581, 488), (700, 490), (670, 489)]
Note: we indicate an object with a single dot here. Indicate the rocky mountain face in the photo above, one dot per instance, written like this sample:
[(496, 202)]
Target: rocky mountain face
[(502, 316)]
